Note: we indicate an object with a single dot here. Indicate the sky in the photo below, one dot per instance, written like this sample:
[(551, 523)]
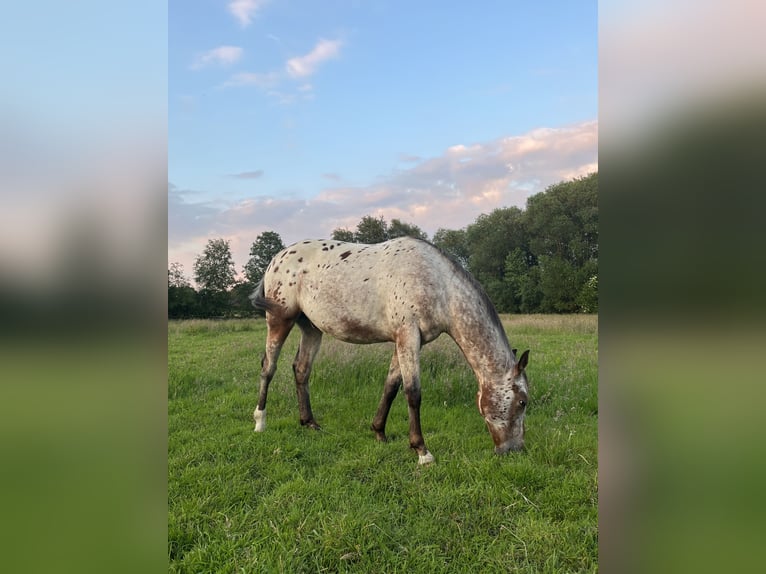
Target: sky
[(302, 117)]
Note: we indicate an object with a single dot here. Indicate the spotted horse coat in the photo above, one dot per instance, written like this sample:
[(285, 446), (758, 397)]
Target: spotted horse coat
[(406, 291)]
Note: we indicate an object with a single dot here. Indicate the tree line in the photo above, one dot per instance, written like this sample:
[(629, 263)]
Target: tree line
[(541, 259)]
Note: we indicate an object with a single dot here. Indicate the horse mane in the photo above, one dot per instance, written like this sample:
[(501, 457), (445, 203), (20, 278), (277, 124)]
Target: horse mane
[(489, 306)]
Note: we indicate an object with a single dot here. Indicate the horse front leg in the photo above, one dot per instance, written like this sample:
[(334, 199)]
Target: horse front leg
[(391, 388), (408, 350)]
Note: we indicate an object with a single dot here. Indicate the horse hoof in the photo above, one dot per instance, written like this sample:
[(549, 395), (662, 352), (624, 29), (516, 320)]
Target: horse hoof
[(260, 420), (427, 458), (312, 425), (379, 435)]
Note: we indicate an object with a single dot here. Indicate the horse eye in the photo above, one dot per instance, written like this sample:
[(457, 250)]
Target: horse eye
[(522, 403)]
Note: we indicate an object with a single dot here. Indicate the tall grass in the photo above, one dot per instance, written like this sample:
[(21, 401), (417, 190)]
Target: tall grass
[(295, 500)]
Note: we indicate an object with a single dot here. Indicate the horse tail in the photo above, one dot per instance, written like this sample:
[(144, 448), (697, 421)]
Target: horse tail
[(259, 300)]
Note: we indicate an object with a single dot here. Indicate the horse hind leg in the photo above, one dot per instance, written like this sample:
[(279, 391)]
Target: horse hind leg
[(311, 339), (391, 388), (278, 330)]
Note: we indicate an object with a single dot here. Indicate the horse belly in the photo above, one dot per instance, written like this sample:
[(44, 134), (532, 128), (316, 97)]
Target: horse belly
[(353, 319), (366, 317)]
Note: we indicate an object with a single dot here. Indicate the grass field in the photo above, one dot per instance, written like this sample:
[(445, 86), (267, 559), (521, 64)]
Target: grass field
[(296, 500)]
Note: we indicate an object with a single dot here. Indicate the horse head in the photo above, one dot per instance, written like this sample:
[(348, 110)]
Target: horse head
[(503, 405)]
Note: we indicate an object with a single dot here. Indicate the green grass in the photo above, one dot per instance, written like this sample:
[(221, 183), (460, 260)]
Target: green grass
[(296, 500)]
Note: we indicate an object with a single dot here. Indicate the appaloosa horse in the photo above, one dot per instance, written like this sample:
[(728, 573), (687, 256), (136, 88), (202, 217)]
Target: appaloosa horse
[(406, 291)]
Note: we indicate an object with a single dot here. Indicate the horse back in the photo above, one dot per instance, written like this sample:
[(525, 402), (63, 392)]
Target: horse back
[(362, 293)]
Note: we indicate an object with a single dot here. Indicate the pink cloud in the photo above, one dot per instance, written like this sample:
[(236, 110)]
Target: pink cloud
[(224, 55), (450, 191)]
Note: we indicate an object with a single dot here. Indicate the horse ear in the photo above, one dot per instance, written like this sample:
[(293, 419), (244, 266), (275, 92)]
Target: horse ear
[(523, 360)]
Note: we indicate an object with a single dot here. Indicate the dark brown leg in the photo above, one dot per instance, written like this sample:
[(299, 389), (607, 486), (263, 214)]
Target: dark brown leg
[(393, 382), (311, 339)]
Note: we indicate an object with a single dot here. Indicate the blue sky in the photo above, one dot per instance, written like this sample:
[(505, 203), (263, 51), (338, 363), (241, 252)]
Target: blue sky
[(301, 117)]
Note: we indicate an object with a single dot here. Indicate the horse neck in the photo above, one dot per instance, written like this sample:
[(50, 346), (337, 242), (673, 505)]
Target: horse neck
[(480, 337)]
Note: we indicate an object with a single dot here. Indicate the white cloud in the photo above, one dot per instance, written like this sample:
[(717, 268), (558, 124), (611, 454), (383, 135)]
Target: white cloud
[(303, 66), (245, 10), (264, 81), (273, 83), (224, 55)]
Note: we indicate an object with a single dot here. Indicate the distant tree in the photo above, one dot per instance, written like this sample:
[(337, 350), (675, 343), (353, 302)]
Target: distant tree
[(490, 239), (562, 223), (214, 269), (240, 300), (542, 259), (176, 277), (343, 234), (371, 230), (183, 302), (214, 273), (514, 277), (182, 298), (529, 293), (557, 285), (453, 242), (398, 228), (587, 298), (262, 251), (563, 220)]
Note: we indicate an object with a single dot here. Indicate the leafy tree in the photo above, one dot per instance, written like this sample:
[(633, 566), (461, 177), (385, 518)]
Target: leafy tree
[(562, 223), (398, 228), (563, 220), (557, 285), (514, 277), (490, 239), (214, 273), (182, 302), (182, 298), (176, 277), (343, 234), (530, 296), (262, 251), (542, 259), (371, 230), (214, 269), (454, 243), (375, 230), (587, 298), (240, 300)]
